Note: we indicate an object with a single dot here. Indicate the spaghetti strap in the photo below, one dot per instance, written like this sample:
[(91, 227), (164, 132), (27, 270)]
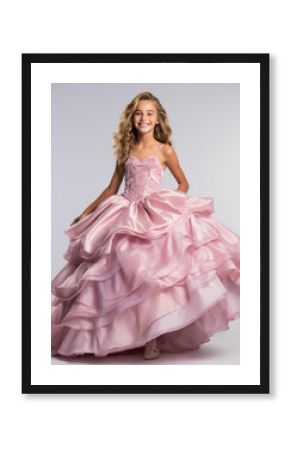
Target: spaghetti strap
[(158, 148)]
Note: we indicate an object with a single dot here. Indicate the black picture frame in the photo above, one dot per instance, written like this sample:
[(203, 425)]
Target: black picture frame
[(123, 58)]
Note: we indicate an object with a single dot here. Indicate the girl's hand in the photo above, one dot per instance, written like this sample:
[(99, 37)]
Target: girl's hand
[(77, 219)]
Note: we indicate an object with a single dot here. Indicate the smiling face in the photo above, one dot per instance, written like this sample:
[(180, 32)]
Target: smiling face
[(145, 117)]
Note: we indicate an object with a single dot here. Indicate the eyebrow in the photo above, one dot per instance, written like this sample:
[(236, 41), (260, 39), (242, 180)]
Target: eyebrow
[(151, 110)]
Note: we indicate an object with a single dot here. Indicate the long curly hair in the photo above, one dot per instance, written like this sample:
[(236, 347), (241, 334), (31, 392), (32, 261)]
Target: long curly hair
[(126, 135)]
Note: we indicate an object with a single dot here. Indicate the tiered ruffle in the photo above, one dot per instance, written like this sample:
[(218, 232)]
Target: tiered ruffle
[(135, 270)]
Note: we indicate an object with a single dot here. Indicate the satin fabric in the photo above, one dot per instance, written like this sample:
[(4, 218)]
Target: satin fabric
[(148, 262)]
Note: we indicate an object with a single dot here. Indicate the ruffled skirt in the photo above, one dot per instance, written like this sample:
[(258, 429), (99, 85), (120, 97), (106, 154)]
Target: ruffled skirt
[(136, 270)]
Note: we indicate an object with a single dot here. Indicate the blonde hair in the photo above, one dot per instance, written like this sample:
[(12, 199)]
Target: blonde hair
[(125, 137)]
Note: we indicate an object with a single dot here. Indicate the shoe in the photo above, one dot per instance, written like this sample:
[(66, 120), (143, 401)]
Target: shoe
[(152, 349)]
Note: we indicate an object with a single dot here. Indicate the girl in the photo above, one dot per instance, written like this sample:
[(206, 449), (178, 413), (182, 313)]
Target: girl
[(149, 269)]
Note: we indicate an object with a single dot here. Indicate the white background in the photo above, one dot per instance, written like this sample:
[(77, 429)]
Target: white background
[(71, 421)]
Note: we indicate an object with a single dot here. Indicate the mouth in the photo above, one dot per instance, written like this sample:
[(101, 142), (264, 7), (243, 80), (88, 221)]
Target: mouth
[(144, 125)]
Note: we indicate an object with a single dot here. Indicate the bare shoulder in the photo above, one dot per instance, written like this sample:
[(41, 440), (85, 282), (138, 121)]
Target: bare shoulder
[(168, 152), (167, 149)]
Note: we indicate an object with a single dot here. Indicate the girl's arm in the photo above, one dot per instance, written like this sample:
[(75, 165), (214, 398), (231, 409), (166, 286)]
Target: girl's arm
[(173, 164), (111, 189)]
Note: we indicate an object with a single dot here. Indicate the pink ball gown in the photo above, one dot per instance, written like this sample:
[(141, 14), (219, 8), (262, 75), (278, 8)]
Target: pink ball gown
[(148, 262)]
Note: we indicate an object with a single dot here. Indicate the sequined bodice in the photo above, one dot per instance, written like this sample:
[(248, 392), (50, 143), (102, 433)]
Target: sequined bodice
[(142, 177)]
